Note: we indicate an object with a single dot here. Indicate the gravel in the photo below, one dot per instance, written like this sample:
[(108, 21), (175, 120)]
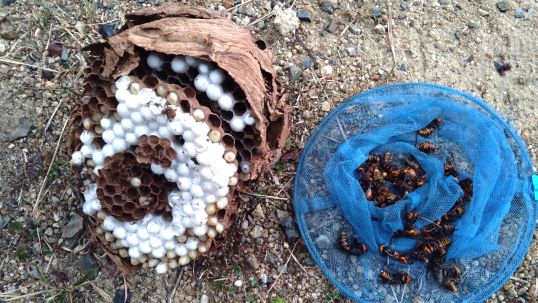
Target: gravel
[(22, 130), (503, 6), (424, 43)]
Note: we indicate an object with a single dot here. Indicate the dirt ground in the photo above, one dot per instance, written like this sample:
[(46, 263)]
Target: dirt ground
[(449, 42)]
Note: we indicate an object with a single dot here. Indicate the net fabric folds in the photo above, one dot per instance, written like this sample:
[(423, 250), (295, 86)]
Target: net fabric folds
[(490, 239)]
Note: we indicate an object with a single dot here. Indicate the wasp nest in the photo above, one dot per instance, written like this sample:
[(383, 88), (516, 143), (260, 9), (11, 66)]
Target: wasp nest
[(179, 108)]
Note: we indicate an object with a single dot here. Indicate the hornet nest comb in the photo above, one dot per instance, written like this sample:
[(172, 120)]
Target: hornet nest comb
[(180, 108)]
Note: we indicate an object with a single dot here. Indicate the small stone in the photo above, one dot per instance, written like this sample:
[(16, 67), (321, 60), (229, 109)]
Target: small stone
[(7, 2), (295, 72), (288, 226), (331, 26), (355, 29), (72, 228), (258, 212), (22, 130), (238, 283), (256, 232), (307, 62), (458, 34), (49, 231), (379, 28), (403, 67), (444, 2), (501, 66), (253, 262), (325, 106), (503, 6), (327, 6), (520, 13), (352, 52), (107, 30), (9, 35), (376, 12), (87, 262), (120, 296), (4, 220), (204, 299), (64, 56), (474, 25), (47, 74), (404, 6), (326, 70), (250, 11), (304, 15), (286, 21)]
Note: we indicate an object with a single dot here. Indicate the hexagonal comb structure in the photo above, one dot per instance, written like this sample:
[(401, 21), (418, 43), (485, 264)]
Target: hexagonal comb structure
[(168, 128), (128, 190), (152, 149)]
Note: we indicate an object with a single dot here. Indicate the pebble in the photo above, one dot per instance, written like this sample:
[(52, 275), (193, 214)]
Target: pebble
[(9, 35), (307, 62), (74, 226), (444, 2), (256, 232), (304, 15), (458, 34), (4, 220), (47, 74), (258, 212), (295, 72), (22, 130), (238, 283), (403, 67), (376, 12), (474, 25), (379, 28), (325, 106), (49, 231), (120, 297), (288, 226), (331, 26), (355, 29), (250, 11), (204, 299), (253, 262), (64, 56), (87, 262), (520, 13), (503, 6), (501, 66), (327, 6), (404, 6), (352, 52), (7, 2), (326, 70), (107, 30)]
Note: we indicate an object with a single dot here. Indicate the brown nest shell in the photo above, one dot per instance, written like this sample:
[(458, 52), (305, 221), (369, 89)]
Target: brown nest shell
[(152, 149)]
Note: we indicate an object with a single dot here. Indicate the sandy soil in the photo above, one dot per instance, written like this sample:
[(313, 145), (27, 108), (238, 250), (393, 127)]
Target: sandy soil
[(454, 43)]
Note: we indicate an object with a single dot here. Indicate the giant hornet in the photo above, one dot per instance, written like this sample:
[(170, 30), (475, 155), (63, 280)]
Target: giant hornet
[(455, 212), (395, 278), (350, 244), (438, 230), (394, 254), (449, 169), (427, 147), (412, 232), (430, 128), (448, 277), (411, 217), (429, 246), (467, 187)]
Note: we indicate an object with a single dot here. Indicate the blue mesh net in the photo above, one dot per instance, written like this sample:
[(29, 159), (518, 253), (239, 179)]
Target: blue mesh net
[(490, 239)]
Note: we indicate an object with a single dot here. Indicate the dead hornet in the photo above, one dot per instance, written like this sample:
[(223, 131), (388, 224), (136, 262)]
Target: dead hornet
[(395, 278), (350, 244), (449, 169), (437, 231), (467, 187), (412, 232), (369, 193), (455, 212), (374, 158), (449, 277), (387, 159), (411, 217), (427, 147), (394, 254), (430, 128), (418, 255), (428, 247)]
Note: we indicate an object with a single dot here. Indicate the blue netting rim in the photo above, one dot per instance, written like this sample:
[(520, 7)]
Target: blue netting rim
[(520, 251)]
